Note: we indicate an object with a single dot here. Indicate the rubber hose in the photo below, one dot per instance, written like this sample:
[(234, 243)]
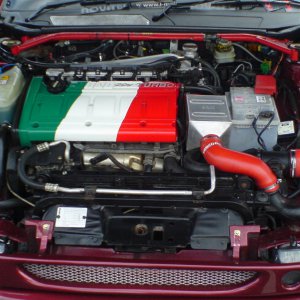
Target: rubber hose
[(279, 202), (22, 169), (209, 66), (171, 165), (200, 90), (11, 203), (191, 163)]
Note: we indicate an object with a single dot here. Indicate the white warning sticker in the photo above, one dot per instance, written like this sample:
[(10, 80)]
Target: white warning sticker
[(71, 217), (261, 99), (286, 127)]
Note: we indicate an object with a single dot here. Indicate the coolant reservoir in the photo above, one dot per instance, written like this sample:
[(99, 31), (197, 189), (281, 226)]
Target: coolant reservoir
[(12, 83)]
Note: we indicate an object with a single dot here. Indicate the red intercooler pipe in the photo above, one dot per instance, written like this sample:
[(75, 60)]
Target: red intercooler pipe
[(237, 162), (231, 161)]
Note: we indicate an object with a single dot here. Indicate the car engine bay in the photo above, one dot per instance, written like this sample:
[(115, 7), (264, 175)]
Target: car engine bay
[(146, 144)]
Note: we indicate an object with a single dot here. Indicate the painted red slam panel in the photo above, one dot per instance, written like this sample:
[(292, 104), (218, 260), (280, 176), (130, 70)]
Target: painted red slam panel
[(152, 114)]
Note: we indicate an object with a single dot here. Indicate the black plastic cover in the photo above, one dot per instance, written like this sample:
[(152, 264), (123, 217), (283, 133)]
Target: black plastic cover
[(149, 228), (211, 230), (91, 235)]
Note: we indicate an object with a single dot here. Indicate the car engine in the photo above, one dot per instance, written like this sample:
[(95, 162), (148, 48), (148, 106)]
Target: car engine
[(148, 145)]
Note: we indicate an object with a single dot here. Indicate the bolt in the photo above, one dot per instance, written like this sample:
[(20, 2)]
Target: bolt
[(141, 229), (46, 227), (237, 232)]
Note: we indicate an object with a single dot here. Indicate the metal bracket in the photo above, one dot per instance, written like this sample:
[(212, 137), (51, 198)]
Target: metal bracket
[(90, 192), (43, 232), (239, 238)]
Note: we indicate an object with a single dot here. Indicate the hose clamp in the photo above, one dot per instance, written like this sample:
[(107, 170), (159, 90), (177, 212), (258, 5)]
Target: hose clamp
[(51, 187), (43, 147), (293, 163), (270, 189)]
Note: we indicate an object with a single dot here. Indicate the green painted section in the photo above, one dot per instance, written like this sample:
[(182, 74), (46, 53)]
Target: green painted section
[(43, 111)]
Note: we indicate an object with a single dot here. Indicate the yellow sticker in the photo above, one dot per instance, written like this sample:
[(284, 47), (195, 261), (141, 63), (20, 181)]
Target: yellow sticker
[(4, 80)]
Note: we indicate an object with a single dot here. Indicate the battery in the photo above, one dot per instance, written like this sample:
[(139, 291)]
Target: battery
[(231, 117)]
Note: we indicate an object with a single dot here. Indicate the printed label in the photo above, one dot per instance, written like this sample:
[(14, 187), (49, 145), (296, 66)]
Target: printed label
[(239, 99), (286, 127), (74, 217), (261, 99)]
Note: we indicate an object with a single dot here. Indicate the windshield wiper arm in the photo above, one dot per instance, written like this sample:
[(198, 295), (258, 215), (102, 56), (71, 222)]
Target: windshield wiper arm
[(189, 3), (178, 4), (50, 6)]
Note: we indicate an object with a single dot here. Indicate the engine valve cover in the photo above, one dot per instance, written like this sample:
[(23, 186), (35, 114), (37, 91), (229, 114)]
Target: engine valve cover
[(103, 111)]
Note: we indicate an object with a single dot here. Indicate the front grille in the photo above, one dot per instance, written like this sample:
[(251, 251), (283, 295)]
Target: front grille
[(139, 276)]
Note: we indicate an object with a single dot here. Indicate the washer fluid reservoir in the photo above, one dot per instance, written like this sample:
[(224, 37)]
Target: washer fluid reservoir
[(12, 83)]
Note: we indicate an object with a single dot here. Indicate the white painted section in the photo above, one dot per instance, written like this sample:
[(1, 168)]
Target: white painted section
[(97, 114)]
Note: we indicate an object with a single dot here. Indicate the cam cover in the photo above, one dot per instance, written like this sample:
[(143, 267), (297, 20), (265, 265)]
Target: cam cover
[(104, 111)]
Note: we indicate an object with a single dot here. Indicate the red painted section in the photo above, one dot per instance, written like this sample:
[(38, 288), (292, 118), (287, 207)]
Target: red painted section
[(9, 229), (297, 164), (27, 295), (267, 283), (152, 114), (279, 45), (239, 238), (85, 36), (15, 281), (43, 232), (237, 162), (265, 84)]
